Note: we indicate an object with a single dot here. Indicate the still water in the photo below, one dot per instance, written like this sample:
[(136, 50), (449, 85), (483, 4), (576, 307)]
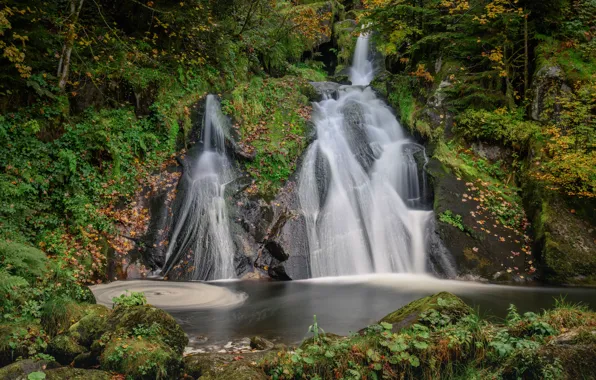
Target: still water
[(282, 311)]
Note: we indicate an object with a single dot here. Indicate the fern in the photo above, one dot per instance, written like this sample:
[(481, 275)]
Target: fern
[(8, 282), (21, 260)]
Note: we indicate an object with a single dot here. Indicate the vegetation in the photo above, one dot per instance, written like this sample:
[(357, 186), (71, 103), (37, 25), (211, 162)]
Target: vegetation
[(473, 60), (443, 345)]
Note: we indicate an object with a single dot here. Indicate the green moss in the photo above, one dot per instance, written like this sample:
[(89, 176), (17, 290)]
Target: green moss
[(447, 305), (65, 348), (271, 115), (67, 373), (141, 359), (91, 326), (226, 366), (21, 340), (59, 313), (124, 321), (22, 368)]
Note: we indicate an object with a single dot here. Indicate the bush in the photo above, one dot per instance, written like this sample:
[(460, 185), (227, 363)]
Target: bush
[(497, 127), (132, 299)]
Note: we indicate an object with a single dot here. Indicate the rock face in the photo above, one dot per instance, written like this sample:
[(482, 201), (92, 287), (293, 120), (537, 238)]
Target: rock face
[(565, 239), (433, 311), (549, 82), (476, 253)]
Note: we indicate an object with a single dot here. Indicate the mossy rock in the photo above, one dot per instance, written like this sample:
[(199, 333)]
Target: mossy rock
[(68, 373), (92, 326), (124, 319), (141, 359), (59, 313), (65, 348), (565, 237), (433, 311), (20, 341), (224, 366), (22, 368)]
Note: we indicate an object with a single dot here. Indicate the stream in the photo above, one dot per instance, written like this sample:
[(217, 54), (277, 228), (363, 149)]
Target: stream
[(283, 311)]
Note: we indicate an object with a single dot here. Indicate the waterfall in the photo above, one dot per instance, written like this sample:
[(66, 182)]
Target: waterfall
[(360, 187), (201, 246)]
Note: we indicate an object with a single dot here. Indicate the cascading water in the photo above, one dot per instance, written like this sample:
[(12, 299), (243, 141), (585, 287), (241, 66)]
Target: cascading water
[(201, 245), (360, 188)]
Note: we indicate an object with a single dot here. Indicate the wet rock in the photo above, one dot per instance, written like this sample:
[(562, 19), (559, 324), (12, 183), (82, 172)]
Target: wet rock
[(328, 89), (21, 369), (285, 251), (258, 343), (446, 307)]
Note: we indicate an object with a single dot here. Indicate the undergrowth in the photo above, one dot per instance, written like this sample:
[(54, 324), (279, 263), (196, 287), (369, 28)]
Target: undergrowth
[(439, 348)]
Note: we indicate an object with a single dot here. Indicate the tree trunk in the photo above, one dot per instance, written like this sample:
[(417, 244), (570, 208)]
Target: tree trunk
[(526, 57), (64, 64)]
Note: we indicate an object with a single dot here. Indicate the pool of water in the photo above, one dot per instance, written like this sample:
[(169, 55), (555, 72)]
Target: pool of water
[(283, 311)]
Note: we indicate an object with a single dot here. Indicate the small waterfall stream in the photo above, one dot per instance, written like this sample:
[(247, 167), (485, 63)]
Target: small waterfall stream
[(201, 245), (360, 188)]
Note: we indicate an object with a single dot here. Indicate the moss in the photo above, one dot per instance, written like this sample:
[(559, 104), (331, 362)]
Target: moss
[(124, 320), (447, 304), (239, 370), (20, 341), (21, 369), (67, 373), (141, 359), (65, 348), (225, 366), (59, 313), (91, 326), (566, 243)]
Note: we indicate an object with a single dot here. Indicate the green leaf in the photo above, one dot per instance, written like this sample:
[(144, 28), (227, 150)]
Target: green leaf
[(414, 361), (36, 376), (308, 360), (420, 345), (386, 326)]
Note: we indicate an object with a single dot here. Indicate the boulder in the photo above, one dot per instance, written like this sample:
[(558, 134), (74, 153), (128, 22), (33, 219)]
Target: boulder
[(68, 373), (20, 341), (91, 326), (65, 348), (433, 311), (259, 343), (140, 358), (21, 369), (124, 320), (225, 366), (59, 313)]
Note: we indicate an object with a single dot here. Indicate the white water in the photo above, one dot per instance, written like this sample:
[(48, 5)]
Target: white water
[(201, 234), (359, 186)]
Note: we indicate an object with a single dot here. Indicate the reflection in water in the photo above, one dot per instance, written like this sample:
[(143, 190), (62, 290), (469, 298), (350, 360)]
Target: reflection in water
[(283, 311)]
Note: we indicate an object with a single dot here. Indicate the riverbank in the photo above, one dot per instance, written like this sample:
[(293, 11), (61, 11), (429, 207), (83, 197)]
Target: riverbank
[(438, 336)]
